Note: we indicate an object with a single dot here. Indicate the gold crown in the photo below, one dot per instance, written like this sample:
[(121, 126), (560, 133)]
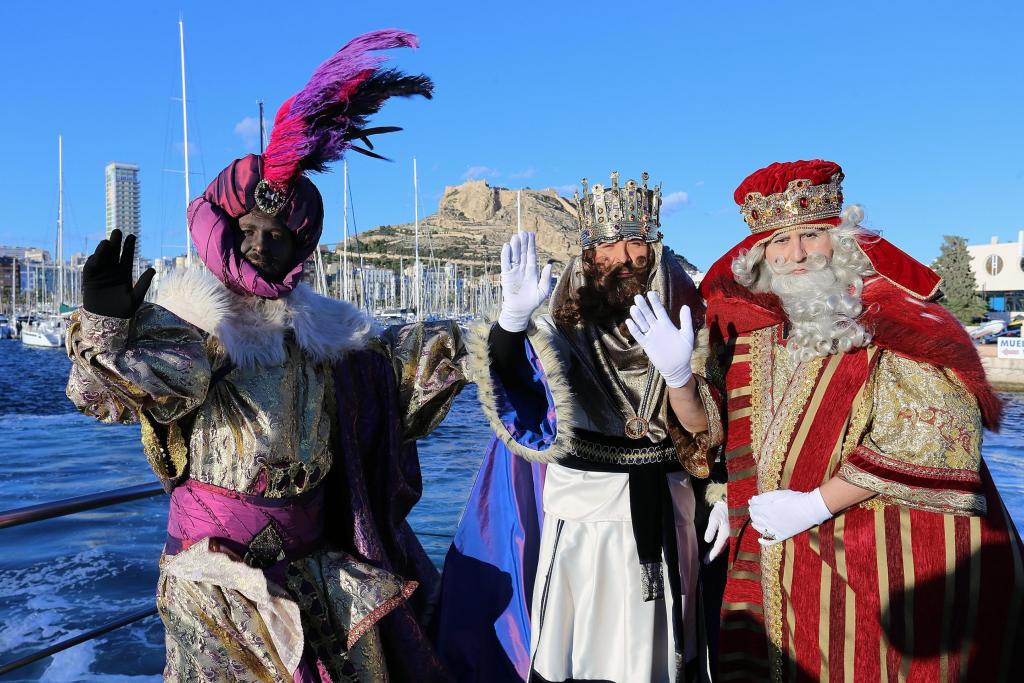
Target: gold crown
[(618, 213), (801, 202)]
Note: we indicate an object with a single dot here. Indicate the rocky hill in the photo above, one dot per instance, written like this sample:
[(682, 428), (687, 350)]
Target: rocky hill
[(473, 220)]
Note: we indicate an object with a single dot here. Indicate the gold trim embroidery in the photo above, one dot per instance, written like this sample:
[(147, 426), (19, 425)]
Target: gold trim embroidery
[(773, 450), (931, 500), (169, 456), (760, 384), (791, 407), (771, 562)]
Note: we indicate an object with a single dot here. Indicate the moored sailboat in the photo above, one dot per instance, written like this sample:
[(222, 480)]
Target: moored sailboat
[(48, 332)]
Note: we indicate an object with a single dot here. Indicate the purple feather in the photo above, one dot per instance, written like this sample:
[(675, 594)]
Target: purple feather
[(317, 125), (346, 64)]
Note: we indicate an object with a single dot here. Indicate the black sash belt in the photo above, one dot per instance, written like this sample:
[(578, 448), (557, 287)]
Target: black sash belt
[(650, 507), (648, 498)]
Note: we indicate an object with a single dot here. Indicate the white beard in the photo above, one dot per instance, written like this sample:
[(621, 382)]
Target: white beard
[(822, 308)]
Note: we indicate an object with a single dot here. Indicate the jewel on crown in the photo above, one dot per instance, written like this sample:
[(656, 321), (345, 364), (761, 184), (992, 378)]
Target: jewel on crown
[(801, 202), (609, 214)]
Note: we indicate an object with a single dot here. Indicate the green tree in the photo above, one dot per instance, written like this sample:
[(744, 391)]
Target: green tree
[(959, 284)]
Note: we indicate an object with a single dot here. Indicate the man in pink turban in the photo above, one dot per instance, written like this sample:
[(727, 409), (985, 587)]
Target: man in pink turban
[(282, 423), (225, 219)]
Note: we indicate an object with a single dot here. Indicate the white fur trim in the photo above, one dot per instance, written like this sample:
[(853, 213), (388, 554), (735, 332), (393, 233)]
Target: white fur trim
[(326, 328), (715, 493), (195, 296), (566, 411), (253, 334), (252, 329)]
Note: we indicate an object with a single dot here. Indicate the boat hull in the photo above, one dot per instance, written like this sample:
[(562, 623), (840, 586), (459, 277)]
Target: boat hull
[(48, 340)]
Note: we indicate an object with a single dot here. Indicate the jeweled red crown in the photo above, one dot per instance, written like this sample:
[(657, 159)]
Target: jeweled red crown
[(793, 193)]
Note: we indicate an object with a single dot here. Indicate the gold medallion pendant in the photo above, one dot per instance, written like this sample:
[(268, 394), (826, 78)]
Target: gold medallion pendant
[(636, 427)]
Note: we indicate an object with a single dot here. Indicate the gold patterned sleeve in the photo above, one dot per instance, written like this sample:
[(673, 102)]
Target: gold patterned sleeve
[(154, 362), (430, 364), (922, 447)]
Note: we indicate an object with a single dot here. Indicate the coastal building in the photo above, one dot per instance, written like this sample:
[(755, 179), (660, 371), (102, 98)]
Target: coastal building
[(999, 270), (123, 204), (10, 277), (35, 268), (12, 252), (34, 254)]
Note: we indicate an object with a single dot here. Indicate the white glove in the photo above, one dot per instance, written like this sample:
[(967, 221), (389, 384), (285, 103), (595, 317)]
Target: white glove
[(522, 292), (669, 348), (717, 532), (778, 515)]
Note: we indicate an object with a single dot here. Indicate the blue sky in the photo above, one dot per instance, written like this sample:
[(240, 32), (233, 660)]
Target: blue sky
[(921, 103)]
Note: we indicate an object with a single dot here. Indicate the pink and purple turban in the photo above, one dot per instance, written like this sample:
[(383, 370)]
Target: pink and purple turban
[(313, 128), (213, 221)]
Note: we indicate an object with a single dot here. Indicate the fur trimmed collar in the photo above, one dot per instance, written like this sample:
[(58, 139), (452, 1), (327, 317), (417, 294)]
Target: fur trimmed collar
[(252, 329)]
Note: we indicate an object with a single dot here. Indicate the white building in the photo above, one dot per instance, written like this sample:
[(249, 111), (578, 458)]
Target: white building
[(123, 204), (999, 270)]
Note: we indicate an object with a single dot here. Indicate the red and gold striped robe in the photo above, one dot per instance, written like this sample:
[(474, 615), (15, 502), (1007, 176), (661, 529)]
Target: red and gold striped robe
[(924, 582)]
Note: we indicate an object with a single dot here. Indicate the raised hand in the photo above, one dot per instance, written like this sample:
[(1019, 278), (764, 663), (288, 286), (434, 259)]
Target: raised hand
[(668, 347), (522, 291), (107, 279)]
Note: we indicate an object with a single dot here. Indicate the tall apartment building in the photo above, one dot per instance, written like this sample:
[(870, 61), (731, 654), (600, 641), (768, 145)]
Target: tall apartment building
[(123, 204)]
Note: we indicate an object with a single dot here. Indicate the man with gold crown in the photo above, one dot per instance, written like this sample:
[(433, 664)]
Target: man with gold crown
[(282, 424), (621, 424), (868, 541)]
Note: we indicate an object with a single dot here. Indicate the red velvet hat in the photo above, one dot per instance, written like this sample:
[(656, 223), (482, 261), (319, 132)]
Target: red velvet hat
[(809, 194)]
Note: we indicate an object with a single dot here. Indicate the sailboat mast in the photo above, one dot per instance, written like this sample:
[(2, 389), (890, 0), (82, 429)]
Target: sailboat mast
[(519, 212), (416, 214), (261, 127), (184, 119), (344, 242), (60, 221)]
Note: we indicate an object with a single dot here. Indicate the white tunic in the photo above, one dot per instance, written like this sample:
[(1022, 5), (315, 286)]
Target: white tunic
[(589, 620)]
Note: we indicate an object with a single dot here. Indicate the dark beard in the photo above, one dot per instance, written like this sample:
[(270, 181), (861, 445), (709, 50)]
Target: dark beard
[(605, 297)]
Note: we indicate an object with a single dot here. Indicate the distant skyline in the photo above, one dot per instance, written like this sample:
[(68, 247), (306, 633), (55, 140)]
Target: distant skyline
[(919, 102)]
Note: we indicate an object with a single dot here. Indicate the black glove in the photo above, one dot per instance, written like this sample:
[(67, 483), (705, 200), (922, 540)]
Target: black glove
[(107, 279)]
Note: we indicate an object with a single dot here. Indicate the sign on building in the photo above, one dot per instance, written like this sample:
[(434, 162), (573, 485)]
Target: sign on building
[(1011, 347)]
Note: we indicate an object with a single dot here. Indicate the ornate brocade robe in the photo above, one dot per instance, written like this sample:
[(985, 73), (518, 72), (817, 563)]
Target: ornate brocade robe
[(549, 544), (279, 399), (923, 582)]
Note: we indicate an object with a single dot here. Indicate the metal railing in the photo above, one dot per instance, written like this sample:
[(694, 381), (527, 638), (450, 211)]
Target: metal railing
[(68, 506), (37, 513)]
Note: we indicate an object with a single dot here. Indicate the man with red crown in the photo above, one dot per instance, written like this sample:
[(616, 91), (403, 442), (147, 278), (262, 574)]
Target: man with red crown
[(282, 423), (868, 541)]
